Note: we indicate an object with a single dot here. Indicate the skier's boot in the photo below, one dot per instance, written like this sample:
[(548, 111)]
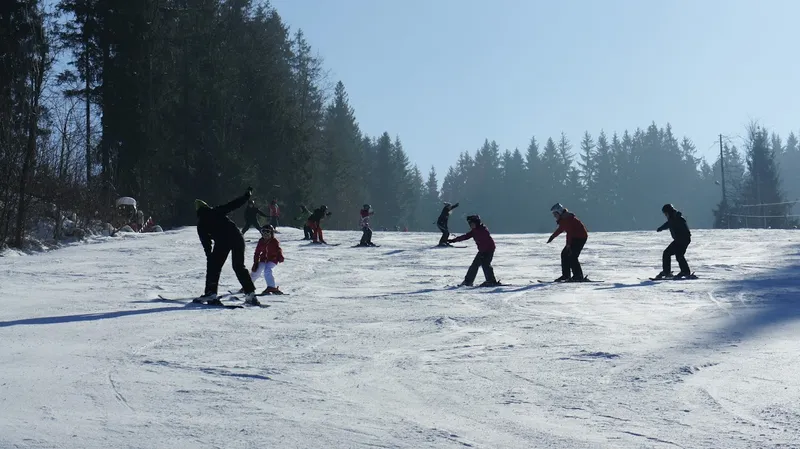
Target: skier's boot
[(465, 284), (250, 299), (371, 244), (577, 279), (561, 279), (214, 302), (273, 291), (684, 275), (490, 284), (207, 297), (664, 275)]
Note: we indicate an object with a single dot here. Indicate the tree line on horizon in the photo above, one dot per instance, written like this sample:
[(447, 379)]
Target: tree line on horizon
[(171, 100)]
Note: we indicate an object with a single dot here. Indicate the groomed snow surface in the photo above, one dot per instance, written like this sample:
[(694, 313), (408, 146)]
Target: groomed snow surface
[(372, 348)]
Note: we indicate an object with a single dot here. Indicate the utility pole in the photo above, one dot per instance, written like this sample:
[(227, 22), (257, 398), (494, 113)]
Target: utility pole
[(724, 195)]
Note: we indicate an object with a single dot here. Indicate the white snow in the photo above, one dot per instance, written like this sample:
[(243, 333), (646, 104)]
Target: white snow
[(370, 349)]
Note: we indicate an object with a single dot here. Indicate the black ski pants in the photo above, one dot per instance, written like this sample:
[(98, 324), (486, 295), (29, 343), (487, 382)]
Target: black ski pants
[(307, 232), (249, 224), (445, 233), (569, 259), (482, 260), (678, 249), (217, 258), (366, 237)]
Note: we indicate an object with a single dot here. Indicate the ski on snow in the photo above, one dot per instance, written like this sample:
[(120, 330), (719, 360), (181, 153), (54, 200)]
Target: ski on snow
[(264, 293), (674, 278), (194, 302), (585, 281)]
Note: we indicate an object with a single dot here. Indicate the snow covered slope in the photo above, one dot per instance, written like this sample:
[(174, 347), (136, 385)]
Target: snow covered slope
[(371, 349)]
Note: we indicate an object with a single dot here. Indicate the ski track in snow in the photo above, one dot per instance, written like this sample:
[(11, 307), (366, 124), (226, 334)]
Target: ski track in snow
[(372, 349)]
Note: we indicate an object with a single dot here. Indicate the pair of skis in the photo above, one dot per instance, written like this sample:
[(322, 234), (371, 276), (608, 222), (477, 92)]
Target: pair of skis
[(584, 281), (197, 301), (674, 278)]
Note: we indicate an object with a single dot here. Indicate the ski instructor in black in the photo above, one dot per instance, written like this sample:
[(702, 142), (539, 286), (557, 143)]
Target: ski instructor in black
[(214, 225), (681, 238), (444, 217)]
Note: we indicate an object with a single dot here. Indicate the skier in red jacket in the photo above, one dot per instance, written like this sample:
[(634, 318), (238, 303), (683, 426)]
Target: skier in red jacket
[(486, 248), (267, 256), (274, 213), (576, 239)]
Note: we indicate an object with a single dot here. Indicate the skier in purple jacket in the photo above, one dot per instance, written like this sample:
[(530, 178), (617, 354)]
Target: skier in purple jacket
[(483, 259)]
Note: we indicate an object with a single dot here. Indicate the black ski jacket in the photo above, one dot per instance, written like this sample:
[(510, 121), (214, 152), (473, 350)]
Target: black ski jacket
[(214, 225), (318, 214), (677, 227), (444, 217), (251, 214)]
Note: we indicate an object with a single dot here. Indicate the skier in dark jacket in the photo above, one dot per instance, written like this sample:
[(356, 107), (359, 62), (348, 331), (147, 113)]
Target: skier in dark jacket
[(251, 213), (366, 232), (314, 223), (486, 248), (305, 214), (681, 238), (576, 240), (444, 217), (213, 225)]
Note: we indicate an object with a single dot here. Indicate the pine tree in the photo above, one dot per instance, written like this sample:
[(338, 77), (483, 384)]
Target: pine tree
[(762, 196), (431, 203), (605, 186), (588, 174), (342, 142), (789, 168)]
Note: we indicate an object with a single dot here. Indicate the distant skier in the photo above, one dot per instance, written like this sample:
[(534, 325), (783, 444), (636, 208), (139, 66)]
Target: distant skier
[(681, 238), (274, 213), (480, 233), (366, 236), (267, 256), (314, 223), (213, 225), (576, 239), (305, 215), (251, 213), (444, 217)]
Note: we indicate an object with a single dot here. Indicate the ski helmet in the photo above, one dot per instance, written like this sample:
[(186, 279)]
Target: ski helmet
[(558, 208), (668, 209), (446, 204), (474, 219), (267, 228), (367, 207), (200, 204), (324, 207)]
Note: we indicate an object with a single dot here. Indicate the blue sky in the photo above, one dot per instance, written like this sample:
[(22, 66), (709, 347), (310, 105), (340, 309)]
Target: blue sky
[(446, 74)]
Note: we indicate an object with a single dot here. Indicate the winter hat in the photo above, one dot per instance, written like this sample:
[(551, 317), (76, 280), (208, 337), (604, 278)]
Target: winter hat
[(668, 208), (200, 204), (474, 219), (558, 208)]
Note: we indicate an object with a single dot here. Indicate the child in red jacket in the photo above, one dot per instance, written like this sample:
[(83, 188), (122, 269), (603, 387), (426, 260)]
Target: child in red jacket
[(486, 248), (576, 239), (268, 255)]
